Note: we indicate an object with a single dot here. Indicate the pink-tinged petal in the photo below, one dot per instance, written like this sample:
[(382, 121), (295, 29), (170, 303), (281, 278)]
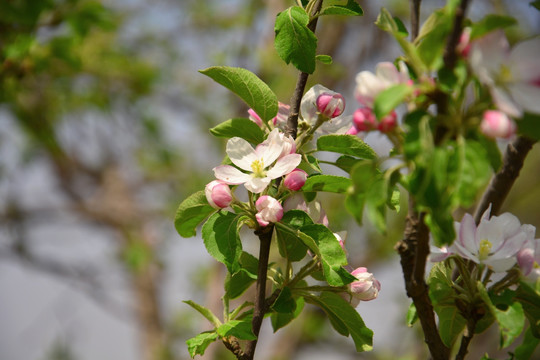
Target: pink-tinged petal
[(337, 125), (230, 175), (525, 259), (467, 234), (505, 103), (489, 52), (464, 252), (273, 150), (438, 254), (257, 185), (524, 60), (526, 95), (284, 166), (241, 153), (387, 72), (308, 105), (500, 265), (510, 247), (487, 214)]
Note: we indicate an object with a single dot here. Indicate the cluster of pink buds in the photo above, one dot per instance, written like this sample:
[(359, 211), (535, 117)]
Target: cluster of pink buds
[(364, 120)]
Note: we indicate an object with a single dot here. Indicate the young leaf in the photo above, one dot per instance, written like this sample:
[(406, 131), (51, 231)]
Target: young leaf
[(279, 320), (285, 303), (530, 300), (327, 183), (207, 313), (330, 253), (347, 145), (325, 59), (191, 213), (248, 87), (526, 349), (197, 345), (412, 315), (236, 284), (528, 126), (489, 23), (241, 127), (388, 99), (341, 310), (238, 328), (220, 235), (289, 245), (350, 9), (294, 41)]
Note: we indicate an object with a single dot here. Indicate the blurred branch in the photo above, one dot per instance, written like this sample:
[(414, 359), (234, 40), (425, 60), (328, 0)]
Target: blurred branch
[(415, 18)]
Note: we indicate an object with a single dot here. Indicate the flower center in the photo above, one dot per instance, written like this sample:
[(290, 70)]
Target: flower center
[(505, 76), (258, 168), (484, 249)]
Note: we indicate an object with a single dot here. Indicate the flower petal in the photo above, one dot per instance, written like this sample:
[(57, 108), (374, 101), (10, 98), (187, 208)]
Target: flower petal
[(284, 166), (500, 265), (273, 148), (468, 234), (230, 175), (257, 185), (526, 95), (524, 60), (505, 103), (241, 153)]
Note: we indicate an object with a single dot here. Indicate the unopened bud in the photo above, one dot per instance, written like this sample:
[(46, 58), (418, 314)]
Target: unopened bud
[(269, 210), (496, 124), (295, 179), (218, 194), (366, 288), (388, 123), (330, 104), (364, 119)]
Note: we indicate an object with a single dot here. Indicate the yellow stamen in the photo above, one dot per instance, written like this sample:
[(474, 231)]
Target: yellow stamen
[(258, 168), (484, 249)]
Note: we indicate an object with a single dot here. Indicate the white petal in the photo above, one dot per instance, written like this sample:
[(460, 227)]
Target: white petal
[(500, 265), (505, 103), (526, 95), (257, 185), (510, 247), (467, 234), (230, 175), (524, 60), (337, 125), (284, 166), (387, 72), (489, 52), (273, 148), (241, 153), (308, 106)]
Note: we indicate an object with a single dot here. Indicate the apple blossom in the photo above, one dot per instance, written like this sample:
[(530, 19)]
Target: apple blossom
[(218, 194), (269, 210), (313, 208), (330, 104), (258, 162), (288, 144), (295, 179), (365, 288), (310, 110), (364, 119), (494, 242), (495, 124), (512, 76), (529, 255), (369, 85)]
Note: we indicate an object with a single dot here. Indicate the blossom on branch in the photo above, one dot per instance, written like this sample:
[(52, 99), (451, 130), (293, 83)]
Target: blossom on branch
[(365, 288), (257, 162), (269, 210), (495, 124), (369, 85), (218, 194), (320, 101)]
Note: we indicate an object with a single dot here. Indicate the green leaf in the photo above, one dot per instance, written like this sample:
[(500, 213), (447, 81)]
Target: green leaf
[(347, 145), (241, 127), (191, 213), (489, 23), (530, 300), (511, 320), (433, 40), (289, 245), (535, 4), (294, 42), (336, 307), (346, 162), (197, 345), (325, 59), (330, 253), (351, 8), (220, 235), (526, 349), (248, 87), (279, 320), (284, 303), (388, 99), (475, 174), (327, 183), (529, 126), (238, 328), (412, 315), (207, 313), (236, 284)]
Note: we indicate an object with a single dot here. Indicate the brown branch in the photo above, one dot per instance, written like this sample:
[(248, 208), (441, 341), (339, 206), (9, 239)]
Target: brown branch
[(265, 236), (413, 250), (415, 18), (292, 121), (450, 54), (502, 182)]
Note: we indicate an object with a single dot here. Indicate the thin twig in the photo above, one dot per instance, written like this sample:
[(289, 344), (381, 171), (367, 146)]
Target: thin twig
[(450, 54), (415, 18), (292, 121)]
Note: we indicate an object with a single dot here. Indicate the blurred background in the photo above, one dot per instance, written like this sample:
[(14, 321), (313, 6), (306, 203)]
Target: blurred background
[(104, 130)]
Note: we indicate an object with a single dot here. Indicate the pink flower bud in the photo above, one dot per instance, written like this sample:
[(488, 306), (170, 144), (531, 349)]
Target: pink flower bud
[(495, 124), (255, 118), (295, 179), (270, 210), (464, 45), (366, 288), (388, 123), (364, 119), (352, 131), (330, 104), (218, 194)]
